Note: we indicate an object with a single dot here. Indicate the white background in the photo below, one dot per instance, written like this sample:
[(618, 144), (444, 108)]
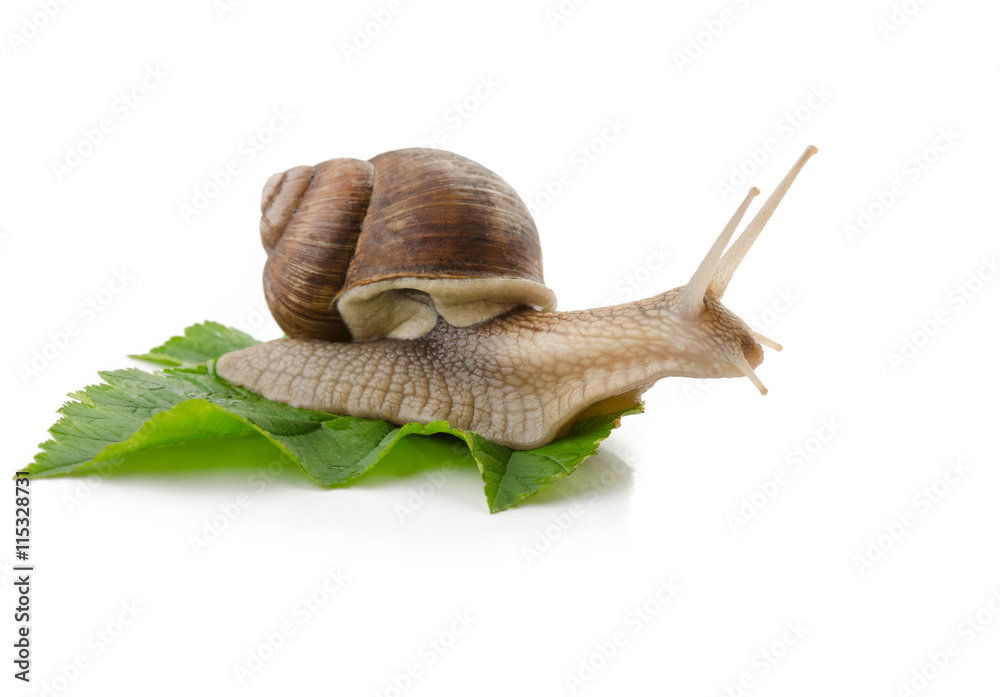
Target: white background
[(547, 584)]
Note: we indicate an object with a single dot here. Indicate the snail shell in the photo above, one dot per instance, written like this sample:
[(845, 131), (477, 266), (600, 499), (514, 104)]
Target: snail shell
[(381, 248)]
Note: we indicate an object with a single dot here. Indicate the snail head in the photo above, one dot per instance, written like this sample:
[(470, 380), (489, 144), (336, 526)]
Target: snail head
[(735, 346)]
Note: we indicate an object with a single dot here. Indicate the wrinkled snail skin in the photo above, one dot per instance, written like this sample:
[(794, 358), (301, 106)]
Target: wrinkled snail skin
[(520, 380)]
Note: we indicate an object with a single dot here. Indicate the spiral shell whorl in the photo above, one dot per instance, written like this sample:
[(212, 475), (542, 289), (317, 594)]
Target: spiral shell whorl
[(278, 201), (311, 219)]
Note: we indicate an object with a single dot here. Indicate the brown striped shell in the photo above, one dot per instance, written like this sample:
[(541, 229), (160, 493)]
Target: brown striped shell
[(382, 248)]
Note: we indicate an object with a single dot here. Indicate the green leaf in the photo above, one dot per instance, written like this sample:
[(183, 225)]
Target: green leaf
[(200, 343), (527, 471), (136, 411)]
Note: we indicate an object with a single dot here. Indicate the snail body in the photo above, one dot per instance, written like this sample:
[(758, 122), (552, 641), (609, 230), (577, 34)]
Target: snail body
[(523, 374)]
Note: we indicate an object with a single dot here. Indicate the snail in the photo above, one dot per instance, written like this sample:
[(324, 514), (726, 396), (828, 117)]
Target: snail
[(410, 287)]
